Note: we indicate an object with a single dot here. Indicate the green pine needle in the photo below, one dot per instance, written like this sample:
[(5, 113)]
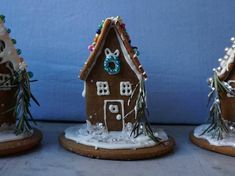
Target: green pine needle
[(218, 128), (141, 125), (24, 96)]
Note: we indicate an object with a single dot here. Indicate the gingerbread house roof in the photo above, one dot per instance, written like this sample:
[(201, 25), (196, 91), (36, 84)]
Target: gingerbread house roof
[(227, 63), (97, 45), (10, 52)]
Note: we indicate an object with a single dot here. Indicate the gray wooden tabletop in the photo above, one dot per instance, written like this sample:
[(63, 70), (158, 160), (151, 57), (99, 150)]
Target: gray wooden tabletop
[(52, 160)]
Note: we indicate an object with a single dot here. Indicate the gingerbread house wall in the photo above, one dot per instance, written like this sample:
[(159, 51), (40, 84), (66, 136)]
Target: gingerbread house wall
[(7, 96), (95, 104), (228, 102)]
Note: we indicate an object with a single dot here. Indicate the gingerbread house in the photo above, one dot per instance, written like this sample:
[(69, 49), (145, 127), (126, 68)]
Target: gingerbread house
[(15, 96), (9, 64), (226, 73), (112, 77)]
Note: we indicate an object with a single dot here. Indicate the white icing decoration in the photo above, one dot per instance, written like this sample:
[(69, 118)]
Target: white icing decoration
[(119, 117), (229, 83), (127, 56), (3, 79), (113, 108), (228, 59), (115, 19), (9, 135), (98, 137), (116, 52), (22, 66), (108, 52), (228, 140), (105, 109), (102, 88), (6, 56), (7, 84), (125, 88), (84, 90)]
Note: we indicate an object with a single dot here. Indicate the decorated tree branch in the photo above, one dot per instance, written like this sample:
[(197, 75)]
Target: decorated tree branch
[(24, 100), (142, 125), (218, 127)]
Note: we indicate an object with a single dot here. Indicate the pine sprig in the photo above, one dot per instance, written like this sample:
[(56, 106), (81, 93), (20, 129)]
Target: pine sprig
[(141, 125), (217, 127), (23, 98), (23, 103)]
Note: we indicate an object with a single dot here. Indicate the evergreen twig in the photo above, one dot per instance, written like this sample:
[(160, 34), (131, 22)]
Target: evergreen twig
[(23, 96), (141, 125), (218, 128)]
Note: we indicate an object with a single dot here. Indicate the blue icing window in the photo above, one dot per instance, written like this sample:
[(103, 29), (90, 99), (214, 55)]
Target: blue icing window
[(112, 62)]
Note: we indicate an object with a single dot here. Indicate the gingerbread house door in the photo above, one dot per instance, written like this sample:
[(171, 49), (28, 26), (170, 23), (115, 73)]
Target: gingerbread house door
[(114, 115)]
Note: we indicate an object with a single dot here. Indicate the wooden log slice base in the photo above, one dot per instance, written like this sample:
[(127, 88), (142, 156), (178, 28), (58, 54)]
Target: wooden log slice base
[(203, 143), (21, 145), (118, 154)]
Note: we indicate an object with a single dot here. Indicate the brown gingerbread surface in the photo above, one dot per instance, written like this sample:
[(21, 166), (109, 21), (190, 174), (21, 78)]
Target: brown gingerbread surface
[(228, 103), (22, 145), (118, 154), (8, 89), (226, 150), (7, 97), (95, 104)]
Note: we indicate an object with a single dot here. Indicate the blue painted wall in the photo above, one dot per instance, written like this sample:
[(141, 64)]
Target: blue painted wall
[(180, 42)]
